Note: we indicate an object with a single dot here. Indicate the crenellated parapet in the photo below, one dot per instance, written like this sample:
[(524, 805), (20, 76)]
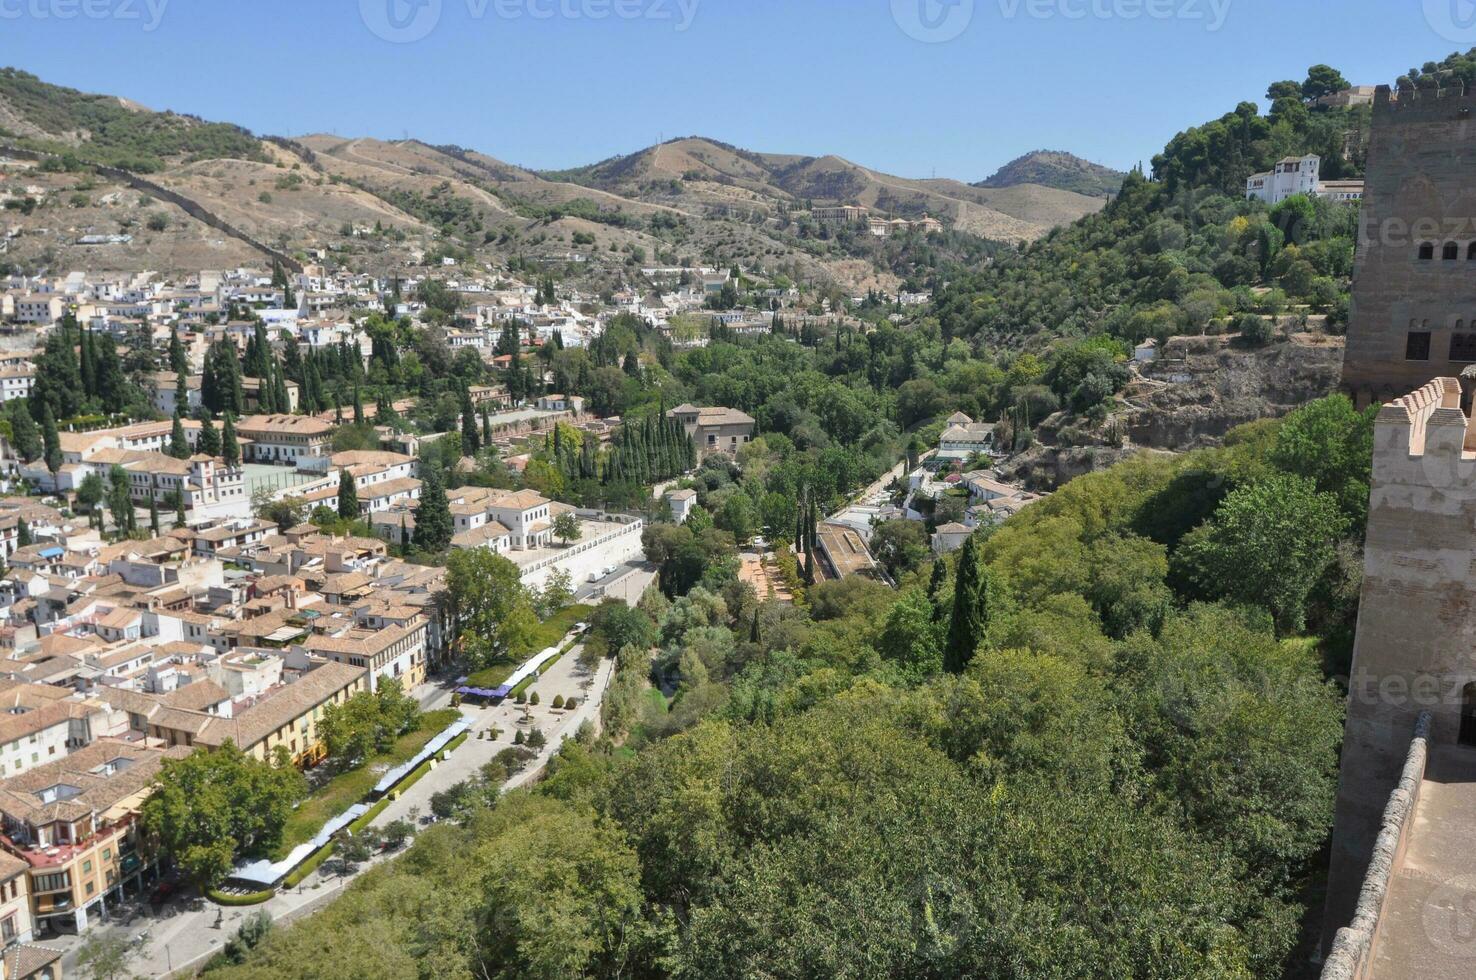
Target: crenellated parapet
[(1410, 102), (1427, 422)]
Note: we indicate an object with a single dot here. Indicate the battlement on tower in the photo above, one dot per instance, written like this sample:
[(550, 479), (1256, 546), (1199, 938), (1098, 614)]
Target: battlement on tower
[(1411, 104), (1427, 424)]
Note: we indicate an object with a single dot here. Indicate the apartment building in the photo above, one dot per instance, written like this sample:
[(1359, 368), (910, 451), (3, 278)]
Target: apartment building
[(209, 489), (394, 649), (16, 382), (284, 440), (39, 309), (74, 823), (204, 715)]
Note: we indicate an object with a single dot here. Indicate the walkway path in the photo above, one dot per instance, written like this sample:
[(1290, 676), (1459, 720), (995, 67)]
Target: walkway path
[(1428, 929), (190, 933)]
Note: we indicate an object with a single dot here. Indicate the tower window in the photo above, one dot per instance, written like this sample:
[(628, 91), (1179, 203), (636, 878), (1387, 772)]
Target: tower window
[(1451, 252), (1463, 347), (1417, 346), (1427, 251), (1468, 715), (1471, 252)]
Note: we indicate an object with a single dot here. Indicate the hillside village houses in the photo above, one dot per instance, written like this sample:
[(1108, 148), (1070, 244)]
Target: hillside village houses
[(118, 655)]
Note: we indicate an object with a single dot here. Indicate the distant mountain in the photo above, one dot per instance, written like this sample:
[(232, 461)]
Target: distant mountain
[(1058, 169), (696, 169)]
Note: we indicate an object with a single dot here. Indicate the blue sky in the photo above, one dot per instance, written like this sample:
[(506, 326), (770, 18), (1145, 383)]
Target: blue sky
[(1102, 78)]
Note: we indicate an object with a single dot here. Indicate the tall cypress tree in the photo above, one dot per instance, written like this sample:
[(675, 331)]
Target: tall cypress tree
[(208, 442), (358, 407), (50, 440), (179, 444), (88, 366), (178, 361), (972, 596), (433, 516), (181, 391), (348, 496), (471, 439), (230, 449)]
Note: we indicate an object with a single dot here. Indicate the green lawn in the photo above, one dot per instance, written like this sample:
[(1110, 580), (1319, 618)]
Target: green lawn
[(549, 632), (348, 788)]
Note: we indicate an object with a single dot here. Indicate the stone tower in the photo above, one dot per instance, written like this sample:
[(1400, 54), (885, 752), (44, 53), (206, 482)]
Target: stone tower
[(1416, 642), (1414, 281)]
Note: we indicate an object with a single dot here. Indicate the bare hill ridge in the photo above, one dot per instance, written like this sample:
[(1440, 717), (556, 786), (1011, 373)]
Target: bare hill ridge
[(712, 170), (374, 205)]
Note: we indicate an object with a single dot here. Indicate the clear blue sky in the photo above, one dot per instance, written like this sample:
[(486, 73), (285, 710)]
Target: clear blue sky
[(801, 76)]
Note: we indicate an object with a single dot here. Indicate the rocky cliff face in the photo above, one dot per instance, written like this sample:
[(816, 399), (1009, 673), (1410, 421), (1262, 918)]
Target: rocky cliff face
[(1202, 387), (1198, 390)]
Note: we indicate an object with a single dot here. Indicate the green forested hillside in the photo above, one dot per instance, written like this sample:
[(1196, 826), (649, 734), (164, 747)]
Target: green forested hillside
[(1098, 741), (100, 129), (1129, 773), (1184, 252)]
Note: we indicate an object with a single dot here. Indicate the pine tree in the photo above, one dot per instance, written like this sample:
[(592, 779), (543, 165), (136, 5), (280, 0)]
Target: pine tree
[(179, 444), (25, 435), (230, 449), (348, 496), (972, 595), (23, 534), (433, 517), (385, 409)]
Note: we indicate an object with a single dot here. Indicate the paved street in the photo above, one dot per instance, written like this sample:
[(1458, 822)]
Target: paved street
[(184, 937)]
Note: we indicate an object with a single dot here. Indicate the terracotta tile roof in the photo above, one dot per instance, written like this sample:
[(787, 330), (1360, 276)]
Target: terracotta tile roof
[(283, 707), (93, 772)]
